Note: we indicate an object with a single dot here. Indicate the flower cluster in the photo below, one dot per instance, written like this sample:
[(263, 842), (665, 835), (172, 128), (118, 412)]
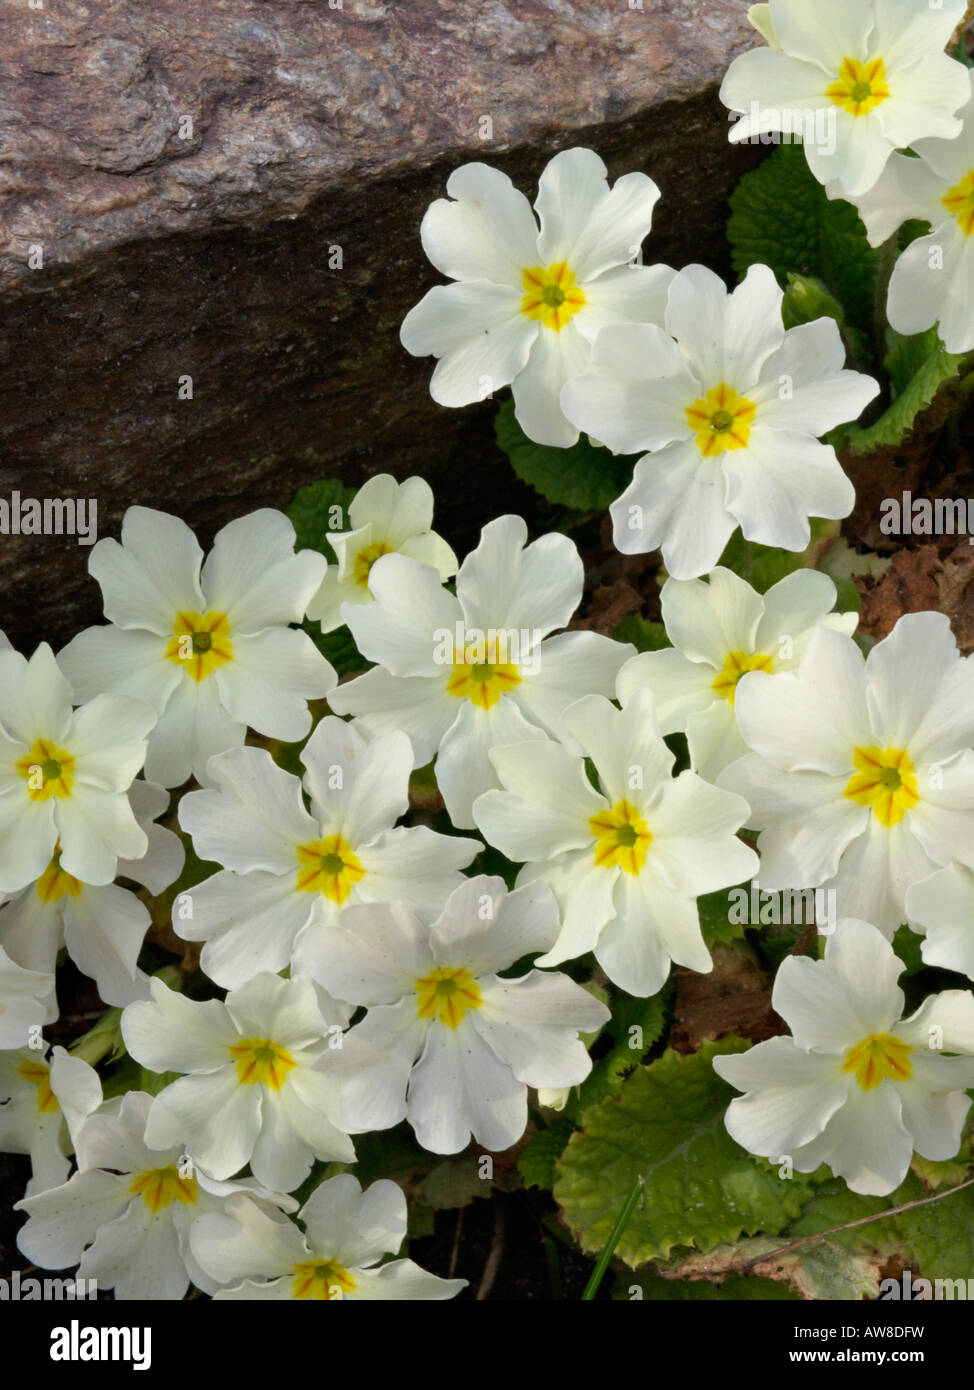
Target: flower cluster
[(194, 766)]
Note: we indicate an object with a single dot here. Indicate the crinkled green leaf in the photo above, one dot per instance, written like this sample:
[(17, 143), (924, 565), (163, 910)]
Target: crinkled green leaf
[(937, 1237), (635, 1025), (715, 918), (536, 1161), (893, 427), (584, 477), (700, 1188), (782, 217), (313, 514)]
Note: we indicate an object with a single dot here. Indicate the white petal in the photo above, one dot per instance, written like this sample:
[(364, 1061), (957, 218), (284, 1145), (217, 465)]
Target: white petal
[(374, 955), (532, 1024), (487, 232), (271, 678), (256, 818), (419, 706), (173, 1033), (253, 575), (487, 929), (635, 397), (628, 294), (478, 333), (505, 583), (556, 357), (680, 687), (546, 805), (192, 728), (152, 575), (400, 629), (354, 1227), (780, 480), (676, 503), (463, 767), (357, 789), (460, 1088), (104, 929)]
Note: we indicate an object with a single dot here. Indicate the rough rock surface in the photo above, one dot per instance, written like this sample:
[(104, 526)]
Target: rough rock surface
[(186, 172)]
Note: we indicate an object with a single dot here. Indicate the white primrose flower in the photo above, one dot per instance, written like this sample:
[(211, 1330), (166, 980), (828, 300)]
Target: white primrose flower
[(27, 1001), (253, 1093), (346, 1233), (861, 777), (853, 79), (933, 280), (64, 774), (386, 517), (125, 1217), (45, 1100), (467, 673), (731, 407), (721, 630), (627, 858), (527, 305), (102, 926), (942, 908), (446, 1042), (210, 650), (856, 1086), (288, 872)]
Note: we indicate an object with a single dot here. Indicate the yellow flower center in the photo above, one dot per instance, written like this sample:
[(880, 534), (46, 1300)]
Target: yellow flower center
[(736, 665), (885, 780), (861, 87), (200, 643), (446, 994), (39, 1074), (366, 558), (260, 1060), (483, 682), (158, 1187), (721, 420), (879, 1056), (55, 882), (621, 838), (322, 1280), (47, 770), (328, 866), (960, 201), (550, 294)]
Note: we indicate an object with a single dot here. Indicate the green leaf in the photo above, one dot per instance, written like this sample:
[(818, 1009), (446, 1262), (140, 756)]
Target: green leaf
[(700, 1188), (892, 428), (782, 217), (583, 477), (644, 635), (635, 1025), (715, 918), (938, 1237), (456, 1182), (908, 946), (317, 509), (536, 1161)]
